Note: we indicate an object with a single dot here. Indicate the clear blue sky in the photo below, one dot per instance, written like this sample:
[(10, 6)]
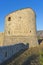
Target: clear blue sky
[(7, 6)]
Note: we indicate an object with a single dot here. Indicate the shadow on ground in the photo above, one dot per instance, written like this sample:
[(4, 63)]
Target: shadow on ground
[(20, 47), (32, 60)]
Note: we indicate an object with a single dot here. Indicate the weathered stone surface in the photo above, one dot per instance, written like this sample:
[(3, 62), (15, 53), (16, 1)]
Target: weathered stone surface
[(1, 38), (20, 27)]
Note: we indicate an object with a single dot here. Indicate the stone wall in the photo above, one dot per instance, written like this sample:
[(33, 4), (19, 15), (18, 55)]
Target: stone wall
[(1, 38), (20, 27)]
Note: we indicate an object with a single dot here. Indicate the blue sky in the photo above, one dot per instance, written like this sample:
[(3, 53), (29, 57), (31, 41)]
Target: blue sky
[(8, 6)]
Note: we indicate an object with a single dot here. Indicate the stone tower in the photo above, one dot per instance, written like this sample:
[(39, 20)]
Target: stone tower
[(20, 27)]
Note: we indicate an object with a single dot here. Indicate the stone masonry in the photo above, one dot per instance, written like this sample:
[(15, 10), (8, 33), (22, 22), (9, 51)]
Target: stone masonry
[(20, 27), (19, 34)]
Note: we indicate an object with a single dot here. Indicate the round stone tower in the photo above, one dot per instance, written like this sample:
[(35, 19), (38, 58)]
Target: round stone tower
[(20, 27)]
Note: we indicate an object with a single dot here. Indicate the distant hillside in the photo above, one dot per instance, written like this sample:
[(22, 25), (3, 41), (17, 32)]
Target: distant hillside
[(40, 34)]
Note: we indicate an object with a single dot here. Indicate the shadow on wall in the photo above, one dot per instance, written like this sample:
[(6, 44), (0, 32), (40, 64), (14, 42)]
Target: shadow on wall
[(7, 52)]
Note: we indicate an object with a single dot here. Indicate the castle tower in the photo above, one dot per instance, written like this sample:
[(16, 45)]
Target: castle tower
[(20, 27)]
